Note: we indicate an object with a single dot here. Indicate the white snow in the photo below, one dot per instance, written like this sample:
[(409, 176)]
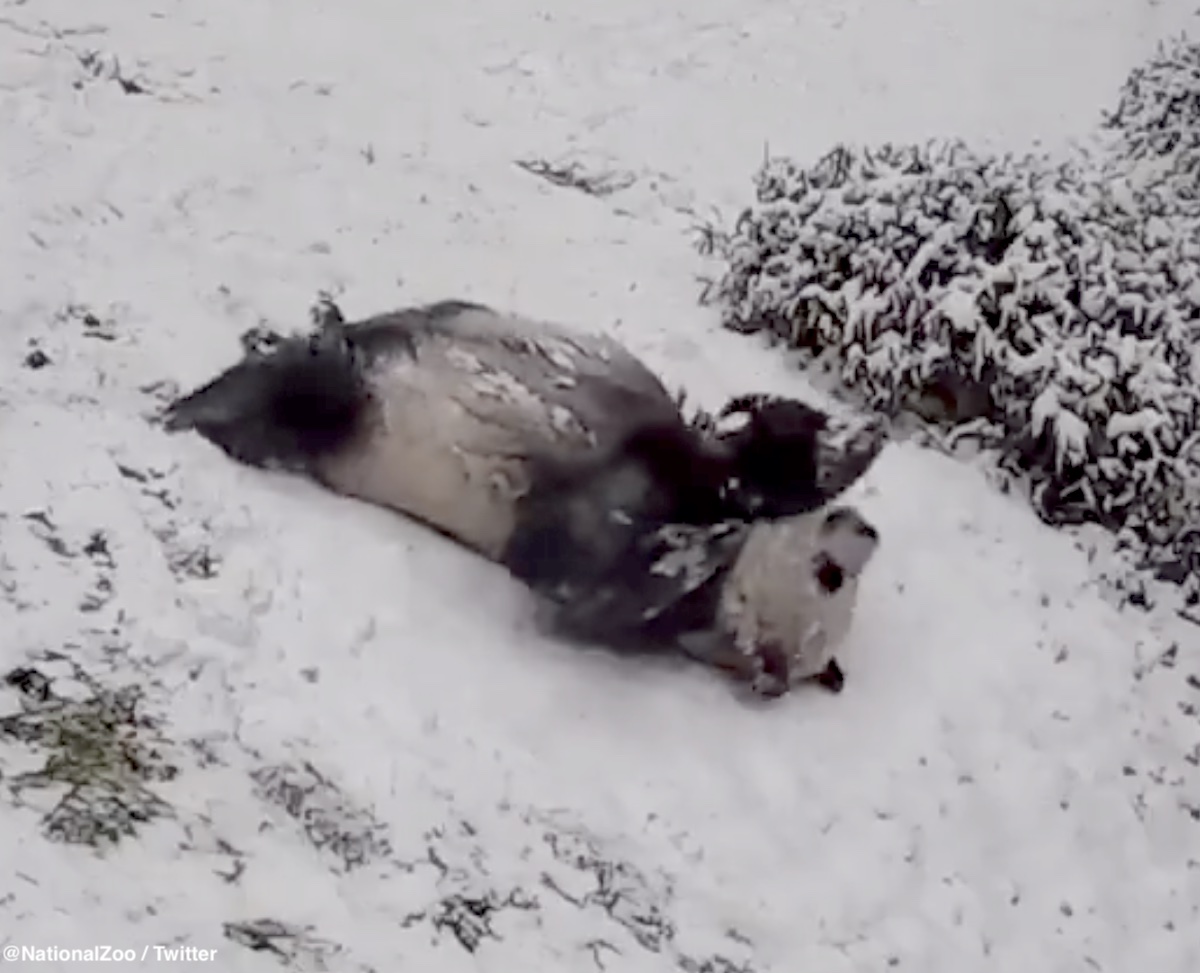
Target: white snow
[(1010, 780)]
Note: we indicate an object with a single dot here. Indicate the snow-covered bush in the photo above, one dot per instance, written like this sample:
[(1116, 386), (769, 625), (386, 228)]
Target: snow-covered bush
[(1050, 308)]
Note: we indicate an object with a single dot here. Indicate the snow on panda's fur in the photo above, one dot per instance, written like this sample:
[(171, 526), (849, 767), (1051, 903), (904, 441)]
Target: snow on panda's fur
[(768, 602), (466, 419)]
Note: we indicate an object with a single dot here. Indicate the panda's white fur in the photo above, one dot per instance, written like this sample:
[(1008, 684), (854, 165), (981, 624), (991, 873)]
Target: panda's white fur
[(450, 431)]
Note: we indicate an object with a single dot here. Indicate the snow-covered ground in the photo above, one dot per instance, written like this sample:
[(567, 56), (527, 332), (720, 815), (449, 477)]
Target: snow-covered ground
[(358, 755)]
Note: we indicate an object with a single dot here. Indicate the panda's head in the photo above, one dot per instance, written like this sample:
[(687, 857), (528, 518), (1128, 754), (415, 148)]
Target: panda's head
[(792, 595), (845, 542)]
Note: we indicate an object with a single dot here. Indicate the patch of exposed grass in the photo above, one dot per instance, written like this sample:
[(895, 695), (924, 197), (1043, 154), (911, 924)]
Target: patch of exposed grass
[(100, 754)]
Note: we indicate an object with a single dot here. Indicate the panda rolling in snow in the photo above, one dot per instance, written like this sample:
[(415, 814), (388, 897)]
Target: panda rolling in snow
[(560, 455)]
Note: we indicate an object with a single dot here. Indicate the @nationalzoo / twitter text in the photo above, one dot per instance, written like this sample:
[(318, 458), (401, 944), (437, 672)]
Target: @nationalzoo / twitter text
[(150, 953)]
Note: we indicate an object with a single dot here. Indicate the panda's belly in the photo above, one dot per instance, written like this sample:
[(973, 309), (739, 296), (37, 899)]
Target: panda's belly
[(449, 442)]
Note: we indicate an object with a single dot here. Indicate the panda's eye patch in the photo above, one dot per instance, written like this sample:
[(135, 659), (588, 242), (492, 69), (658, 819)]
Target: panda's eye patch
[(830, 576)]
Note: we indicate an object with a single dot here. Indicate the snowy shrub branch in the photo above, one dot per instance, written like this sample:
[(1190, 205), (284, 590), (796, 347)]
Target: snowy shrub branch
[(1050, 308)]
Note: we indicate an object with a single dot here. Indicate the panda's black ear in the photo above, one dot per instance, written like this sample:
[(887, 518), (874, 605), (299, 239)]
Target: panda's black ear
[(832, 677), (830, 575)]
